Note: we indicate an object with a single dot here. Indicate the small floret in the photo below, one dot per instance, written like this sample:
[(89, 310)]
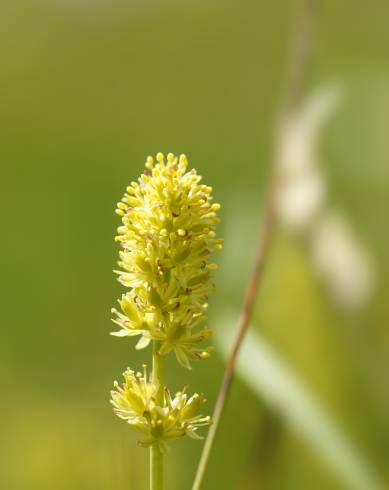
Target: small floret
[(135, 402)]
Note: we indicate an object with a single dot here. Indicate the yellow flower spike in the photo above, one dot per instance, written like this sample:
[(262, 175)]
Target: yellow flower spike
[(167, 237)]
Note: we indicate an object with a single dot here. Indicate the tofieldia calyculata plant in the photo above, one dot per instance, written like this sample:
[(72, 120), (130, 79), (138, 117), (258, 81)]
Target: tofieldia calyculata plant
[(166, 238)]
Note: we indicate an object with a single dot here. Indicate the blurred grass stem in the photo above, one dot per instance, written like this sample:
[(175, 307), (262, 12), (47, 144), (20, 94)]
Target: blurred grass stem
[(294, 88)]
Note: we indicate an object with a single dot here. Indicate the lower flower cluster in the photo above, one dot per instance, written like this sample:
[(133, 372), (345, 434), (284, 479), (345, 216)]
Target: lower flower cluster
[(135, 401)]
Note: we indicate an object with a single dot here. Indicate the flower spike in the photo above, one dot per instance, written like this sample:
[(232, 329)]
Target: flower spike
[(167, 237)]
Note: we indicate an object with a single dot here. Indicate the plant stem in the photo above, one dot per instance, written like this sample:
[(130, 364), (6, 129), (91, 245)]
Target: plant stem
[(299, 58), (156, 455), (158, 376), (156, 468)]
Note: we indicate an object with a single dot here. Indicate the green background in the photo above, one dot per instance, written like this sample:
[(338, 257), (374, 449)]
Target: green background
[(87, 90)]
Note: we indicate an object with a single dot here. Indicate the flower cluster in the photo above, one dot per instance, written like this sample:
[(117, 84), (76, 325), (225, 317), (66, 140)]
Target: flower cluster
[(167, 236), (135, 402)]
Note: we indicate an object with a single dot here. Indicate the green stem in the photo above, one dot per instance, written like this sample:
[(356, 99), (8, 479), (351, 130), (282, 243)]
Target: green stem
[(156, 468), (158, 375), (156, 456)]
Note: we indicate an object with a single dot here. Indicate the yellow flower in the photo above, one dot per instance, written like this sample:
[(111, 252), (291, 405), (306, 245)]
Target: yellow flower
[(167, 236), (135, 402)]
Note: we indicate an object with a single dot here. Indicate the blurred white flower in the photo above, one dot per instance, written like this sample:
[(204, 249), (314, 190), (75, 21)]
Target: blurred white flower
[(301, 203), (341, 260), (300, 135), (301, 190), (301, 198)]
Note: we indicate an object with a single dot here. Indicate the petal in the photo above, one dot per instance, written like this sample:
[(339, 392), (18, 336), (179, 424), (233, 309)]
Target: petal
[(182, 358), (125, 333), (142, 343)]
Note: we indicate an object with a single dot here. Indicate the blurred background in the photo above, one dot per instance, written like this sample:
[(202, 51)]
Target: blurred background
[(88, 89)]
